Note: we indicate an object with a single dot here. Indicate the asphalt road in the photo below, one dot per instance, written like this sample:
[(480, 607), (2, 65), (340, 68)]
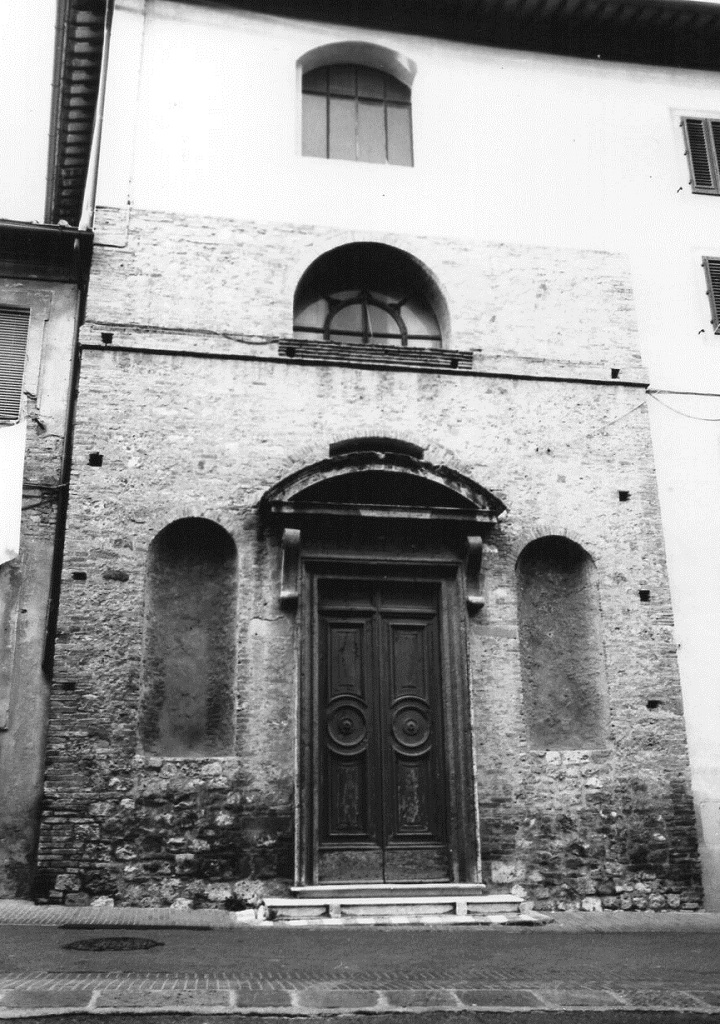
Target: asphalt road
[(517, 957)]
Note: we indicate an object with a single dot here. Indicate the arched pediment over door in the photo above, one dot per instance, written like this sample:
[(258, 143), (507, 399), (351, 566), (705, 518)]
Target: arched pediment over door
[(382, 480), (377, 482), (380, 549)]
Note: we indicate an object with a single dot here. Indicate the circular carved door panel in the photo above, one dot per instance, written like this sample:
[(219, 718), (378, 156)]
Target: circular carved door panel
[(411, 726), (346, 723)]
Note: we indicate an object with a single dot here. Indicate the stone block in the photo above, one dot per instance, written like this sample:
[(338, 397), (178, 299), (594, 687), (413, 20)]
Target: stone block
[(39, 999), (487, 998), (330, 999), (248, 998)]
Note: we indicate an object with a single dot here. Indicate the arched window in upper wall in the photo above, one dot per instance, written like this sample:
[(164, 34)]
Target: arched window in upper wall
[(351, 112), (368, 292), (561, 648), (187, 705)]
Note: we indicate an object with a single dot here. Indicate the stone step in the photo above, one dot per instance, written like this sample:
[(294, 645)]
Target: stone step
[(438, 906), (385, 889)]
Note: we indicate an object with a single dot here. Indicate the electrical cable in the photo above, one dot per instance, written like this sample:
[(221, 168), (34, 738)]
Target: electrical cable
[(694, 394), (134, 328), (622, 415), (679, 412)]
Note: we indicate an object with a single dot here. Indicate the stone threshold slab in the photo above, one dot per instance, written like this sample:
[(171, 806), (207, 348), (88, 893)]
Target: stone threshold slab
[(451, 920), (387, 889)]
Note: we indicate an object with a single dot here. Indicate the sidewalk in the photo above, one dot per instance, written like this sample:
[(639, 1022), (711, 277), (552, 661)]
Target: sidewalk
[(22, 912), (217, 962)]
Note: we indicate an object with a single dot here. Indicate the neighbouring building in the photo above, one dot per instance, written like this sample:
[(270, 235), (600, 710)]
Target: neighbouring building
[(44, 269), (364, 573)]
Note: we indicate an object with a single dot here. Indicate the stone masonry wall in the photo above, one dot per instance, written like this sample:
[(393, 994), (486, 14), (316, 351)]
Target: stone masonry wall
[(193, 436)]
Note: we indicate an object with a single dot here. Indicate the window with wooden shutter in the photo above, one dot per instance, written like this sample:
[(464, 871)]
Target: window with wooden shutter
[(702, 139), (13, 343), (712, 272)]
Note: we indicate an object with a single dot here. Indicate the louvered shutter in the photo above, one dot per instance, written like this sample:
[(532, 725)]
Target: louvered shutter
[(13, 342), (712, 271), (713, 128), (702, 138)]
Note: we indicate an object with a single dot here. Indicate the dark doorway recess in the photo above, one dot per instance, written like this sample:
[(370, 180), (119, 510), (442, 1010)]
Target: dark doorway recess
[(386, 786)]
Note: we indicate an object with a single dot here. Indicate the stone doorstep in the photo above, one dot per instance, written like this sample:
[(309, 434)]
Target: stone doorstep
[(389, 889), (392, 906)]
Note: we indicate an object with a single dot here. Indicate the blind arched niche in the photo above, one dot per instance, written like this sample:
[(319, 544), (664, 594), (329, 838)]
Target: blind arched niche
[(189, 652), (561, 649)]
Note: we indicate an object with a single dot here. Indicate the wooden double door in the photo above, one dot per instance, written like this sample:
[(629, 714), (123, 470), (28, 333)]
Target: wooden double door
[(380, 781)]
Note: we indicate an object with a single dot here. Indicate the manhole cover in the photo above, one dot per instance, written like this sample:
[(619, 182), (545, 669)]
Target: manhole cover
[(113, 942)]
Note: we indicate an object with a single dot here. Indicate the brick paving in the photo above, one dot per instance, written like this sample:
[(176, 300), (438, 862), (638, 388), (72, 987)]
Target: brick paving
[(19, 998), (346, 988), (14, 912)]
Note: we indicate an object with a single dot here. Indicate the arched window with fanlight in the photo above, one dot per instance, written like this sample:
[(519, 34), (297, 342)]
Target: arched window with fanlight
[(368, 293), (351, 112)]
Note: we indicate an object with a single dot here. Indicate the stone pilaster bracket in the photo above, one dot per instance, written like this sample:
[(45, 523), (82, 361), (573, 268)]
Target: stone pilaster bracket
[(473, 573), (290, 569)]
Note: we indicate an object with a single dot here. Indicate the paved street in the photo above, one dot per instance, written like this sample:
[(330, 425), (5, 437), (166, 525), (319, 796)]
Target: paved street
[(521, 1016), (210, 963)]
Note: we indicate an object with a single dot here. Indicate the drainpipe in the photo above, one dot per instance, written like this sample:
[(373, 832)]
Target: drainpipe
[(87, 215)]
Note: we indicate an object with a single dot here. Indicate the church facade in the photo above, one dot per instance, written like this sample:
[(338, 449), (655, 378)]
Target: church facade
[(364, 575)]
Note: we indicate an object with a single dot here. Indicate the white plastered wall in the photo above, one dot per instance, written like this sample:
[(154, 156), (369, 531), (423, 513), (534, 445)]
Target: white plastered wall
[(27, 43), (203, 119), (27, 40), (39, 300), (12, 461)]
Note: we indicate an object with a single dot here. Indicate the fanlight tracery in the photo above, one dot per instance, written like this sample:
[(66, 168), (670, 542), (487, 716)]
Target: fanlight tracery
[(369, 293), (360, 315)]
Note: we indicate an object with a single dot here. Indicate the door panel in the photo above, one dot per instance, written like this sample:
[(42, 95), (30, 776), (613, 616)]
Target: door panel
[(417, 864), (348, 764), (346, 864), (381, 796)]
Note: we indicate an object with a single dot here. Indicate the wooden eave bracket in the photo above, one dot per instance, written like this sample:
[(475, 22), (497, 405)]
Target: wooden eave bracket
[(473, 573), (290, 569)]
